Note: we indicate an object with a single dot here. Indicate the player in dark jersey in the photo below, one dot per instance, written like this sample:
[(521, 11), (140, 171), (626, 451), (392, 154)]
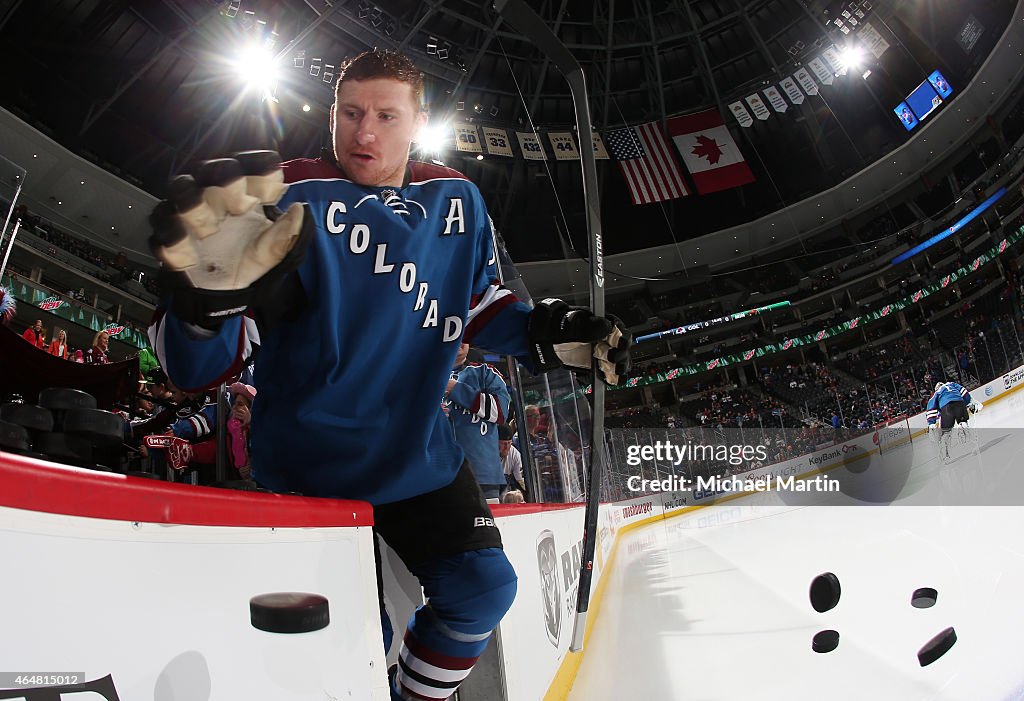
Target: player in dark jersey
[(358, 297)]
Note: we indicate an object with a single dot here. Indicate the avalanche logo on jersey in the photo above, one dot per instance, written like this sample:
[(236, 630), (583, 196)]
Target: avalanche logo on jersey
[(393, 200)]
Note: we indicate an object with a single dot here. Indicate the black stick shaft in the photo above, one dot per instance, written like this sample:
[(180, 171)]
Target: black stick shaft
[(528, 23)]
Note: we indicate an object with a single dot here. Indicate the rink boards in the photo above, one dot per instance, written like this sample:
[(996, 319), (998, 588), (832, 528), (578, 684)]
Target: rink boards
[(148, 583)]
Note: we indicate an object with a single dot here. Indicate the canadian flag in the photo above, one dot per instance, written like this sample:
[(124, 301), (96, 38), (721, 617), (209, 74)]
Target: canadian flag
[(709, 151)]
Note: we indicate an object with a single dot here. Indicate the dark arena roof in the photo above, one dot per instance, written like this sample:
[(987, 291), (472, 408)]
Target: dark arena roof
[(145, 89)]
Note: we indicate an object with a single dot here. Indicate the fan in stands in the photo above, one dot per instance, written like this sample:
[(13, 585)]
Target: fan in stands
[(893, 433)]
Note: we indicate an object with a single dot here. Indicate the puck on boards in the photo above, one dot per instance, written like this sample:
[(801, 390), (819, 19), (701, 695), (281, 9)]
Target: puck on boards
[(30, 416), (289, 612), (923, 598), (100, 427), (64, 398), (936, 647), (13, 437), (825, 591), (825, 641), (55, 446)]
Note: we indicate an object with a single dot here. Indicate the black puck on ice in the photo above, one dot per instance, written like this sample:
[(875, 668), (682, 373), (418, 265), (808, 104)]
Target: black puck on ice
[(289, 612), (825, 592), (936, 647), (825, 641), (923, 598)]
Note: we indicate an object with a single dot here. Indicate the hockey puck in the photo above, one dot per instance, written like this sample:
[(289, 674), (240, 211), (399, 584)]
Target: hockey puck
[(98, 426), (55, 447), (64, 398), (143, 475), (30, 416), (289, 612), (13, 437), (923, 598), (936, 647), (825, 591), (825, 641)]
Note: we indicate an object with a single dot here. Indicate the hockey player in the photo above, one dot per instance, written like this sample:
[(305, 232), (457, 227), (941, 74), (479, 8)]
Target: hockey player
[(358, 297), (949, 405), (477, 402)]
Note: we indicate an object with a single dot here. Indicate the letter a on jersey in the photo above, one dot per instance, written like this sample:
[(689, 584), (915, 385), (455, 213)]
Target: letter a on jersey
[(454, 216)]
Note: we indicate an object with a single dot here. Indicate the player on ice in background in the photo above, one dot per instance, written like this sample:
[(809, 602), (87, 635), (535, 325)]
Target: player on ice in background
[(358, 297), (477, 403), (950, 404)]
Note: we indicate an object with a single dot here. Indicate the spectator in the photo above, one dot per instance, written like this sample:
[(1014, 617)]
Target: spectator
[(242, 397), (59, 345), (97, 355), (513, 496), (78, 356), (35, 334), (511, 459)]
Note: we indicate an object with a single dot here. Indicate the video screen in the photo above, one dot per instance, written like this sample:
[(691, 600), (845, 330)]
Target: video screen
[(924, 100), (907, 118), (940, 84)]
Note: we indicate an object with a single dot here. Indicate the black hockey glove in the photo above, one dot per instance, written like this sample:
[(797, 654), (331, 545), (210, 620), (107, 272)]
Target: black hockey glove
[(223, 244), (563, 335)]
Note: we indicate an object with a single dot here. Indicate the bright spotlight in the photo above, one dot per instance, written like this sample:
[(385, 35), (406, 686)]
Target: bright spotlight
[(305, 108), (850, 58), (255, 64), (432, 138)]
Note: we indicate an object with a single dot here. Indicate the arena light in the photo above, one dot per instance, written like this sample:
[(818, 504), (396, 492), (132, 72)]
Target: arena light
[(256, 66), (850, 58), (432, 137)]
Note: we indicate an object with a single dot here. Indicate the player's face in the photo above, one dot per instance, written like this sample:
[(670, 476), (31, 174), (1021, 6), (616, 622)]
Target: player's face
[(373, 123)]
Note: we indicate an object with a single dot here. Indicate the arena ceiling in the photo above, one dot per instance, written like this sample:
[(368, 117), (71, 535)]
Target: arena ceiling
[(146, 88)]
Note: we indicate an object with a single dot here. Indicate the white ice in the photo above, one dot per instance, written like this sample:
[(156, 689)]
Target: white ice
[(713, 605)]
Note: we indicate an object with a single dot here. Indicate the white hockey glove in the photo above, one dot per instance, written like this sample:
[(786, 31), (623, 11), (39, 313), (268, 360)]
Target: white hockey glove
[(563, 335), (933, 427), (975, 407), (223, 244)]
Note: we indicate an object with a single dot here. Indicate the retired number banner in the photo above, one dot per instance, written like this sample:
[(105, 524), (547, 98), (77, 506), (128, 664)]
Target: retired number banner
[(466, 138), (563, 146), (530, 144)]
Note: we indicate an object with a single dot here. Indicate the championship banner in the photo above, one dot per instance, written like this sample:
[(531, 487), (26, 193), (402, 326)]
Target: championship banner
[(821, 71), (562, 146), (466, 138), (530, 145), (761, 110), (496, 142), (600, 152), (872, 40), (776, 99), (806, 81), (741, 114), (793, 91)]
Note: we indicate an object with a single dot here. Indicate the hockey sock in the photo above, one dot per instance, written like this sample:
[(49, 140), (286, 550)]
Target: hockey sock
[(467, 595)]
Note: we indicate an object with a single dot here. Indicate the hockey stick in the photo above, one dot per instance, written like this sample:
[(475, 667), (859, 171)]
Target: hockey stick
[(530, 25), (700, 325)]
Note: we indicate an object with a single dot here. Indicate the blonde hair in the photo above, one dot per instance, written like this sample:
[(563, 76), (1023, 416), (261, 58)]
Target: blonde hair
[(513, 496)]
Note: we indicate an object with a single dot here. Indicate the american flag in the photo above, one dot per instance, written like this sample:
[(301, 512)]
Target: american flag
[(645, 157)]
